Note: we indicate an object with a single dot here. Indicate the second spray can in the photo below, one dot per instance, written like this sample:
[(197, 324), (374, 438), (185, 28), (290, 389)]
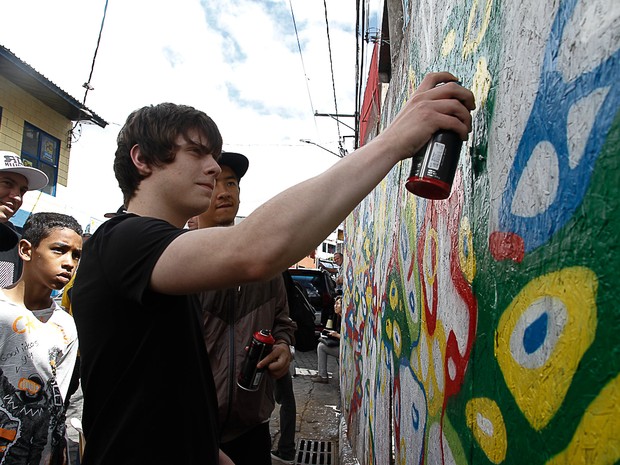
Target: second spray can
[(260, 345)]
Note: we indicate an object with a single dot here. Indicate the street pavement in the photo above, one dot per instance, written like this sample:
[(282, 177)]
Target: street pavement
[(318, 414)]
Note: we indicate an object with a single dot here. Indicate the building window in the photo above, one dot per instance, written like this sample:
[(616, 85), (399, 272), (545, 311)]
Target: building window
[(328, 248), (41, 151)]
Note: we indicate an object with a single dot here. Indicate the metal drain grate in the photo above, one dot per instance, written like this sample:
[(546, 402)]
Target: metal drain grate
[(313, 452)]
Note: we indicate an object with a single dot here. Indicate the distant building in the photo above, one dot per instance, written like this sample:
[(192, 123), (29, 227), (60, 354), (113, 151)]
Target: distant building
[(36, 121), (324, 253)]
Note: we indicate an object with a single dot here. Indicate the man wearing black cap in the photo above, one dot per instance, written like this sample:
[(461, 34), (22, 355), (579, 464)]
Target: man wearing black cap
[(15, 180), (230, 318), (225, 198)]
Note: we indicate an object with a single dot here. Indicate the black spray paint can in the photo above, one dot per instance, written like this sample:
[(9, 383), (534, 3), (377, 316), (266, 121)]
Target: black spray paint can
[(434, 166), (260, 345)]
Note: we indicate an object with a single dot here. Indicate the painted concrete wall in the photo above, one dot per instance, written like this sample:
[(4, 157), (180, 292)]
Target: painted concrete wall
[(486, 328)]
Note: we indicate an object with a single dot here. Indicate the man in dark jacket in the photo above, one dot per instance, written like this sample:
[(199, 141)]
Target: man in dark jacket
[(230, 317)]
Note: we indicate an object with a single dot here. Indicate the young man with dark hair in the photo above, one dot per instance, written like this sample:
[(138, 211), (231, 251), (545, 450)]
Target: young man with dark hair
[(147, 384), (38, 343)]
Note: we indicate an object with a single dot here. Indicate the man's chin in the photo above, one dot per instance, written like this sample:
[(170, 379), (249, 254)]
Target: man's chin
[(226, 220)]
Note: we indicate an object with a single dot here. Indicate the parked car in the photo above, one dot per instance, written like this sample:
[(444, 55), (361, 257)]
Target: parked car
[(303, 314), (320, 289)]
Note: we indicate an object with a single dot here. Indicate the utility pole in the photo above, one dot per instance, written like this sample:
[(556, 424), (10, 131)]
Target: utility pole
[(336, 116)]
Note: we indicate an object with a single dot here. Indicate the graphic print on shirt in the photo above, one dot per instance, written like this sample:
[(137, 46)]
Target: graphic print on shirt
[(32, 413)]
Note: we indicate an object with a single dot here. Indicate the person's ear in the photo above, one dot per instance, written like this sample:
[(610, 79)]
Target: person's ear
[(138, 160), (25, 250)]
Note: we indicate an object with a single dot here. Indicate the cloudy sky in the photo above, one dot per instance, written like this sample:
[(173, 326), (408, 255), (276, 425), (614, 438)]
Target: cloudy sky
[(238, 60)]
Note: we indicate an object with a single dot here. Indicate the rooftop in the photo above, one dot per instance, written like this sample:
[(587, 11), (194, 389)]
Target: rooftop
[(25, 76)]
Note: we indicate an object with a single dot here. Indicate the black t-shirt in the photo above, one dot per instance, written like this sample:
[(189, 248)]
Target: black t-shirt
[(8, 236), (10, 262), (149, 396)]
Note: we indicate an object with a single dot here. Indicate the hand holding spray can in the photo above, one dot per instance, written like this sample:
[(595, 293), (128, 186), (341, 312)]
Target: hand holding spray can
[(260, 345), (433, 167)]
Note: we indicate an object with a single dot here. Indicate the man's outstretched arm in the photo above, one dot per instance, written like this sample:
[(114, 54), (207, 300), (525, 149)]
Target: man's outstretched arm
[(282, 230)]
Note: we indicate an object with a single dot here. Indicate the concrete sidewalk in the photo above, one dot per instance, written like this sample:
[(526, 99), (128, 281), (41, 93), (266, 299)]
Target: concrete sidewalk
[(317, 416)]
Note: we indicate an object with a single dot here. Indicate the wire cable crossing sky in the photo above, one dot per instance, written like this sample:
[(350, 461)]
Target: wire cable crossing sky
[(252, 66)]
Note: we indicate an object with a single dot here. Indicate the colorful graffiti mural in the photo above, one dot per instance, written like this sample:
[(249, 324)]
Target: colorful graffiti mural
[(484, 328)]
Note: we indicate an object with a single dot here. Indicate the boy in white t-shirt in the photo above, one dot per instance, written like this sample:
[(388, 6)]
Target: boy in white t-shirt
[(38, 343)]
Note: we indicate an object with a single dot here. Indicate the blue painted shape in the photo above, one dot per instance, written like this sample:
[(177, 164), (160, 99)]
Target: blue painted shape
[(535, 334), (548, 123), (415, 416)]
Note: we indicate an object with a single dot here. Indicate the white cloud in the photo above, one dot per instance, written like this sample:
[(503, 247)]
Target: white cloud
[(237, 60)]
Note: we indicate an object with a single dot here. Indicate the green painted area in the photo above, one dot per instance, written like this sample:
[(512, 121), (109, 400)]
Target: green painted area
[(590, 239)]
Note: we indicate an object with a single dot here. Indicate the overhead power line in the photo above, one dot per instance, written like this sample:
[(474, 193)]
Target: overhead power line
[(320, 146), (76, 130), (331, 64), (335, 115), (87, 85), (303, 66), (362, 25)]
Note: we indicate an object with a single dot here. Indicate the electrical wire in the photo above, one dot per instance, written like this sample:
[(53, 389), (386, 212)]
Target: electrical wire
[(92, 66), (331, 64), (303, 66), (363, 20), (86, 85)]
